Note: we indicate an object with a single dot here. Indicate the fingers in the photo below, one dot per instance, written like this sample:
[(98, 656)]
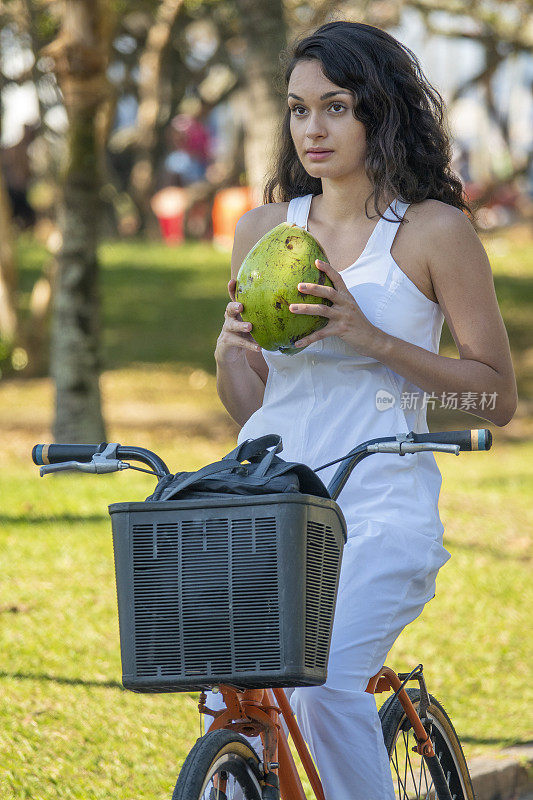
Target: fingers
[(235, 331), (232, 337), (332, 274), (229, 342), (233, 309), (309, 339), (237, 326), (317, 291), (231, 288), (317, 309), (233, 320)]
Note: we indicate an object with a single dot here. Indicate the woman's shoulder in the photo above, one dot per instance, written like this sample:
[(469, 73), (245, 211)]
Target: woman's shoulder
[(434, 217), (268, 214), (252, 226), (448, 239), (258, 221), (434, 226), (434, 230)]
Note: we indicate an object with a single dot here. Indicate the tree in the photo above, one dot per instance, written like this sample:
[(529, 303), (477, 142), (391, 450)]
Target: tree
[(503, 30), (150, 66), (8, 313), (11, 330), (264, 30), (80, 54), (169, 72)]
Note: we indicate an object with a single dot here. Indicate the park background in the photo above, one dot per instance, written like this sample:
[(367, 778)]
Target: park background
[(133, 136)]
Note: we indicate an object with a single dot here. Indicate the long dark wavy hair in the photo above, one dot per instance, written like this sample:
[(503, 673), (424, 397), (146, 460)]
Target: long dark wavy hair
[(408, 144)]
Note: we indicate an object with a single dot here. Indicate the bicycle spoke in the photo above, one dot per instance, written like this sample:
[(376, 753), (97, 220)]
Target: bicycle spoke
[(406, 747), (409, 771), (404, 784), (232, 790), (423, 774), (401, 786), (399, 780), (422, 770), (411, 776), (428, 788), (408, 754)]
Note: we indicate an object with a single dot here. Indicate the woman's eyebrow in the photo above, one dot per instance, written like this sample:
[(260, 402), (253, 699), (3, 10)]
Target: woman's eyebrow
[(328, 94)]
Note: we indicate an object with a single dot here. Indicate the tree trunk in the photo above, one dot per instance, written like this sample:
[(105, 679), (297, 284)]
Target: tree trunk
[(265, 32), (8, 314), (8, 310), (81, 54), (31, 334), (150, 64)]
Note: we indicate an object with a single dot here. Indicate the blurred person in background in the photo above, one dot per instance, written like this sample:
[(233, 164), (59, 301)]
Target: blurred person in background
[(15, 164), (189, 145)]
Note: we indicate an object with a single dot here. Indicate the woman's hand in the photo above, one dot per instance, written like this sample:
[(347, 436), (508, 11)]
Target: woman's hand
[(235, 335), (346, 320)]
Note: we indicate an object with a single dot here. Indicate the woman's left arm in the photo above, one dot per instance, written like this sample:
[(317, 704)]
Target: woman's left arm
[(463, 284)]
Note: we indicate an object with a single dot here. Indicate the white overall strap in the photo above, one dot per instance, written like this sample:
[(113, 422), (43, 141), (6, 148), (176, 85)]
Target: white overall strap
[(298, 210), (388, 230)]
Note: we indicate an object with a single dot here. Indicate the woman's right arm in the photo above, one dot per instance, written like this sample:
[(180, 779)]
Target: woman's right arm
[(241, 369)]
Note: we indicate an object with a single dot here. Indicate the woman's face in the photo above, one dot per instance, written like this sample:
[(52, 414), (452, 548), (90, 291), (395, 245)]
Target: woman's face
[(324, 122)]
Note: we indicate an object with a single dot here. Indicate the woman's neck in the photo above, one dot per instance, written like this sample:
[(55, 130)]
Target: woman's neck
[(343, 205)]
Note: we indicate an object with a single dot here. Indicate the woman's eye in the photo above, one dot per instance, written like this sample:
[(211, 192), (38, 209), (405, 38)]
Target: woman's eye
[(294, 109)]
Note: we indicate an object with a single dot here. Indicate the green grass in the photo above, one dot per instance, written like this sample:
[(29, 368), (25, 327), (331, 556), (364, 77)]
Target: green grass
[(67, 729), (161, 305), (165, 305)]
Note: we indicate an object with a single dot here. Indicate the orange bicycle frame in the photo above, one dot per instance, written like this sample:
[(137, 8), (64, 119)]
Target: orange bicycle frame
[(255, 712)]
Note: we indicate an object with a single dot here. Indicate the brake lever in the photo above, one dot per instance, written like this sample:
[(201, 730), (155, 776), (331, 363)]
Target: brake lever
[(416, 447), (405, 446), (99, 464), (99, 468)]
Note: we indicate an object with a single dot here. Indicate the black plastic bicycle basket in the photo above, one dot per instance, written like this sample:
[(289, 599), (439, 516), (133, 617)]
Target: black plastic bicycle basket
[(238, 590)]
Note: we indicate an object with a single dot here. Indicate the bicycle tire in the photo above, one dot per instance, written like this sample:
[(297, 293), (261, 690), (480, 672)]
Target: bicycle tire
[(409, 770), (219, 753)]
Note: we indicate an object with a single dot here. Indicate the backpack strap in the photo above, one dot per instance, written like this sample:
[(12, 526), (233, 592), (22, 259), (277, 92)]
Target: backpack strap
[(256, 449), (177, 484), (264, 466)]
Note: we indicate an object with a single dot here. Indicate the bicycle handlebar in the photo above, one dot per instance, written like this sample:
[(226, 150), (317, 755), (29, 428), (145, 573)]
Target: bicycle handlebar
[(57, 453), (478, 439), (63, 454), (106, 457), (443, 441)]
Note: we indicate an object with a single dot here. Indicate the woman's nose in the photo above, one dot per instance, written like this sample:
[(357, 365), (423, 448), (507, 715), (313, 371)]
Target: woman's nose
[(315, 126)]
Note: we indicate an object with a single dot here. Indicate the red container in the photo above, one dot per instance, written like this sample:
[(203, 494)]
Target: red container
[(172, 229), (169, 207)]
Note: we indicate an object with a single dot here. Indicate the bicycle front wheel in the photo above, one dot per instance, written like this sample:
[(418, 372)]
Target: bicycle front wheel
[(410, 773), (220, 766)]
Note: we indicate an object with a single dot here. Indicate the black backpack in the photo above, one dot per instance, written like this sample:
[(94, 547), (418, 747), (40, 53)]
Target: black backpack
[(265, 473)]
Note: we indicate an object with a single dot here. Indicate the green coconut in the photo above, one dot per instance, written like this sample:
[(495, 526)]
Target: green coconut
[(267, 283)]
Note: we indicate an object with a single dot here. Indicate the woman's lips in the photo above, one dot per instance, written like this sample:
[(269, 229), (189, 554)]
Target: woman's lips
[(318, 156)]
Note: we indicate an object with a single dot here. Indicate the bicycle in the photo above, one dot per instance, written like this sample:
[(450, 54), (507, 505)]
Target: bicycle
[(425, 753)]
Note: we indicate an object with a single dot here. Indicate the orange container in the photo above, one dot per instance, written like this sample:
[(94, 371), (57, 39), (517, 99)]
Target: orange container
[(228, 206)]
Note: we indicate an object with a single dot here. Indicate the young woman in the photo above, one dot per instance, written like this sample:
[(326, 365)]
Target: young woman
[(364, 166)]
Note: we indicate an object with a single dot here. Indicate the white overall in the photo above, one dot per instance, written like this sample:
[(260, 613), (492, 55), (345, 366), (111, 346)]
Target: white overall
[(324, 401)]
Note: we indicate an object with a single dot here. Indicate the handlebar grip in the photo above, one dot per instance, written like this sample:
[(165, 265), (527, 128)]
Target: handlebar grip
[(477, 439), (56, 453)]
